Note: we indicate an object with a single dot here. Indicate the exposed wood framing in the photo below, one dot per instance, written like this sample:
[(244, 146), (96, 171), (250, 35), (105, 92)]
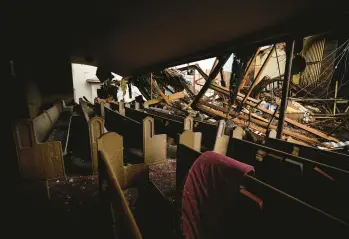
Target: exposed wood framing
[(248, 69), (253, 102), (258, 76), (220, 63), (259, 122)]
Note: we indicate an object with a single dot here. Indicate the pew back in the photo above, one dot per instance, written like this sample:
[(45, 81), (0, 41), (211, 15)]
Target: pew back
[(124, 224), (40, 159), (266, 209), (139, 135), (327, 157), (95, 127)]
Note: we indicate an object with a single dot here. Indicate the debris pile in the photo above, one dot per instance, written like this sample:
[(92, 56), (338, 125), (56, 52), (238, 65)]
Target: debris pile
[(251, 98)]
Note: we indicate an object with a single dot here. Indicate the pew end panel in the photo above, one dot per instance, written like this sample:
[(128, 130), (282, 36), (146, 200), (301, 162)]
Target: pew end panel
[(191, 139), (222, 140), (111, 144), (96, 128), (37, 160), (154, 146)]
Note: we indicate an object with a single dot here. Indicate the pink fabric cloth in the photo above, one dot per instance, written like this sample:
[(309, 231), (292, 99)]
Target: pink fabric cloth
[(211, 185)]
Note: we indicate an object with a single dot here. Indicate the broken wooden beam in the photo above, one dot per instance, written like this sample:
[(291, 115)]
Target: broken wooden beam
[(167, 98), (155, 84), (255, 126)]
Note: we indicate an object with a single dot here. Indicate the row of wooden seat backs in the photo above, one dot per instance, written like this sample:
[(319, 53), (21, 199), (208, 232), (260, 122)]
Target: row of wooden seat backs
[(209, 130), (187, 156), (185, 130), (330, 158), (174, 124), (250, 153), (337, 160), (162, 125), (39, 160), (154, 146), (319, 184), (324, 160)]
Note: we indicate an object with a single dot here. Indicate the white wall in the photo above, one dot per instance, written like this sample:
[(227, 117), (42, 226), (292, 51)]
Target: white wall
[(206, 65), (80, 74)]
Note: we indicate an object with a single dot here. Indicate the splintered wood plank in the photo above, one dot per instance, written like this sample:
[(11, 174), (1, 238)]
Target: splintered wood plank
[(155, 84), (175, 96)]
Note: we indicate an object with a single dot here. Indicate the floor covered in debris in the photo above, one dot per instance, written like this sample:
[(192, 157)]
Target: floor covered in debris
[(72, 209)]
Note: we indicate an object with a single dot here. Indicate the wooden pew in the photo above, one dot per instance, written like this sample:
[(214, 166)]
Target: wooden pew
[(213, 136), (264, 209), (319, 184), (208, 130), (334, 159), (113, 178), (42, 142), (170, 127), (138, 135), (95, 127), (182, 131)]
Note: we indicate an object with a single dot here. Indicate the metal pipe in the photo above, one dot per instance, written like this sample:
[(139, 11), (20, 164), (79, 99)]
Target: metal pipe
[(221, 61), (335, 97), (285, 87)]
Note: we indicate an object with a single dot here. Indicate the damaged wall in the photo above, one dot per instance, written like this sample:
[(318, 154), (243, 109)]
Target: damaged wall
[(272, 68)]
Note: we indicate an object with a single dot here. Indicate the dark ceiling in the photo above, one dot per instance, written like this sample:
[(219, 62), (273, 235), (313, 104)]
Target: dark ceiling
[(129, 37)]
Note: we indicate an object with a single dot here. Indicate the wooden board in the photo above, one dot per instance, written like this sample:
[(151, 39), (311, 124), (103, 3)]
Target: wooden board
[(167, 98)]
